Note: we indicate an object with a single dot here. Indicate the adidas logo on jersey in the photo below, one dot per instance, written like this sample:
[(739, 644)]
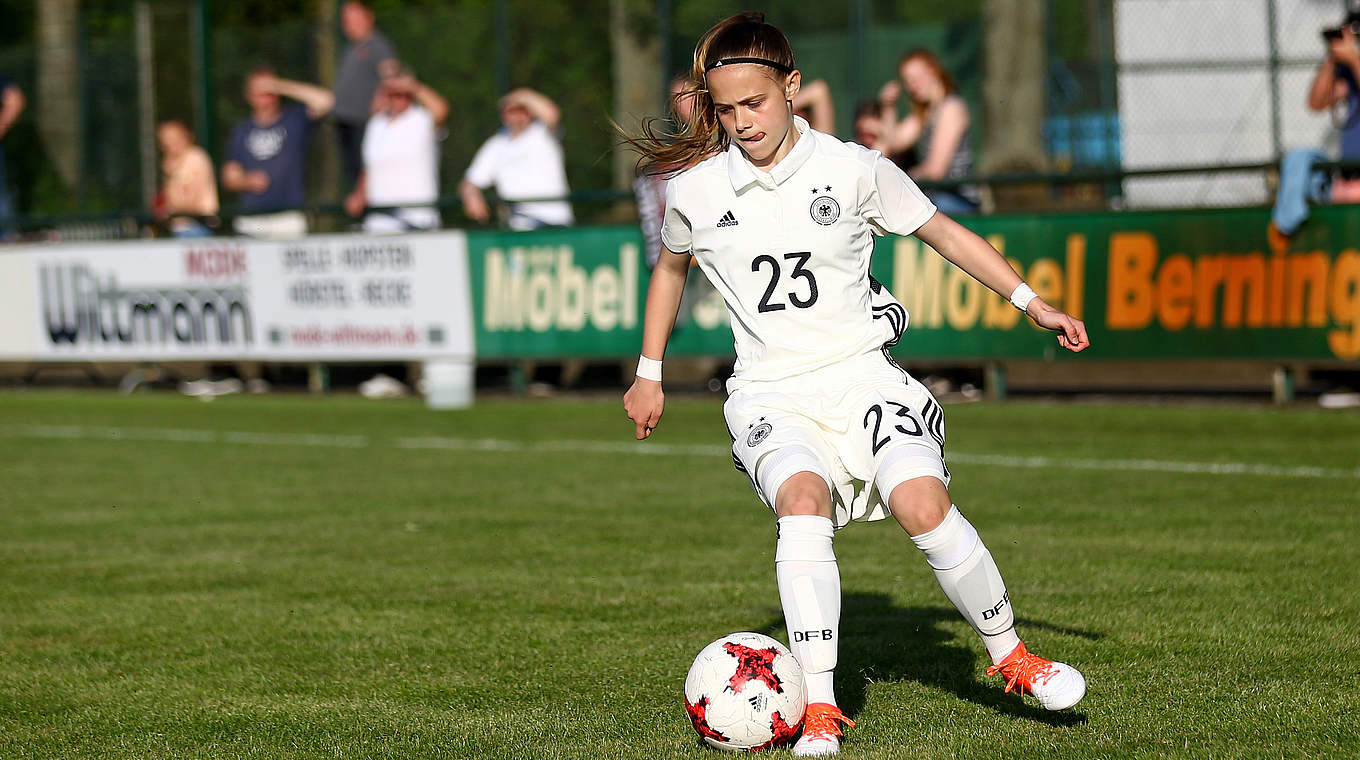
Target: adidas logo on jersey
[(727, 220)]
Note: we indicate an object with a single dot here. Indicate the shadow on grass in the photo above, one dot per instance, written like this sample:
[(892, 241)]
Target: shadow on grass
[(883, 641)]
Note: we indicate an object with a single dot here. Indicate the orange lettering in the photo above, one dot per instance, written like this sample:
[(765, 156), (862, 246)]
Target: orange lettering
[(1275, 315), (1076, 274), (1175, 291), (1307, 272), (1244, 290), (1345, 306), (1128, 302), (1209, 272)]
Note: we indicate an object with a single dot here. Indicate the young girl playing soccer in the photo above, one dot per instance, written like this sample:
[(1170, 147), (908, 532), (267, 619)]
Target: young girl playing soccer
[(781, 218)]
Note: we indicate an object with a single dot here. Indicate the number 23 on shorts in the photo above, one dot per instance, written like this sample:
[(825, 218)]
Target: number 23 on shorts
[(899, 418)]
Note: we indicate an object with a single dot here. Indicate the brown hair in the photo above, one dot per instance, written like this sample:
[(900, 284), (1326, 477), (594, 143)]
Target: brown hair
[(745, 35), (177, 123), (936, 66)]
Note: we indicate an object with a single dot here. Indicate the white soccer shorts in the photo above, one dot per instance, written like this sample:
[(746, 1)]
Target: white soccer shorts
[(864, 425)]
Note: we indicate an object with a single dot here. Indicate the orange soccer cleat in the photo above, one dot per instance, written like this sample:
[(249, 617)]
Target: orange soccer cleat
[(1056, 685), (821, 730)]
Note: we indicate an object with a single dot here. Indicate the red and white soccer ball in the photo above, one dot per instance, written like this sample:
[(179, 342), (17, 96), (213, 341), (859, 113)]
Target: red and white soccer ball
[(745, 692)]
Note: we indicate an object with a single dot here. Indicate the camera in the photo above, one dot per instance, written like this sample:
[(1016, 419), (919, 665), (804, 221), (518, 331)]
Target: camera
[(1352, 21)]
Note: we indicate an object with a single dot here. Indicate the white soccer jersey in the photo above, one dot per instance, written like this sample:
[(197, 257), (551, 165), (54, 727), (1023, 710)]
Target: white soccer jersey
[(790, 249)]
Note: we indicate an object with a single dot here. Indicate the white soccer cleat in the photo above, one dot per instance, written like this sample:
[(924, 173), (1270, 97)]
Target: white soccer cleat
[(1056, 685), (821, 731)]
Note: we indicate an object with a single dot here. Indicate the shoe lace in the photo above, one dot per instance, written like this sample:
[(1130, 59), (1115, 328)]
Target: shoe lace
[(825, 722), (1022, 672)]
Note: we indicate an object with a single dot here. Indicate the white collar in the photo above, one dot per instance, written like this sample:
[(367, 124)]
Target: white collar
[(742, 172)]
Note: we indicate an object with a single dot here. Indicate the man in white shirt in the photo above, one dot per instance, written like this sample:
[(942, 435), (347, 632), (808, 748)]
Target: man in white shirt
[(524, 163), (401, 158)]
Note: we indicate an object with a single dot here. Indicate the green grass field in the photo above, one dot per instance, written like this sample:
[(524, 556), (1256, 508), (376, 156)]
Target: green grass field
[(296, 577)]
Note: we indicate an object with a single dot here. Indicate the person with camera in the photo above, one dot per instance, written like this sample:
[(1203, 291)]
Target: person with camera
[(1335, 88)]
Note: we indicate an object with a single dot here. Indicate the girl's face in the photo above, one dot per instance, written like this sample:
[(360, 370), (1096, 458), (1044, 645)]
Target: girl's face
[(921, 81), (753, 109)]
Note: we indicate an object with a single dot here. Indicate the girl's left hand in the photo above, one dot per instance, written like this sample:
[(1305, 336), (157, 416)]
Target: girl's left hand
[(1071, 331)]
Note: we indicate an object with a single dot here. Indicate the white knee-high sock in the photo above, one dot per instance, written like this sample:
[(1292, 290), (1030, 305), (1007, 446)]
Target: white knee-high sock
[(971, 580), (810, 592)]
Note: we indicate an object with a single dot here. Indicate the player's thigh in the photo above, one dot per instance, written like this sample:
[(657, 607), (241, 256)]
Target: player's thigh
[(902, 430), (771, 447)]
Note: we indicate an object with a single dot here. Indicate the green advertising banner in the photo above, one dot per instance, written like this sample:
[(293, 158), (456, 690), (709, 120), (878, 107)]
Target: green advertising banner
[(1150, 285)]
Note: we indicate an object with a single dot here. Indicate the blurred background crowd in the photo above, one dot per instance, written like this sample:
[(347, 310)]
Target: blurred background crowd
[(128, 118)]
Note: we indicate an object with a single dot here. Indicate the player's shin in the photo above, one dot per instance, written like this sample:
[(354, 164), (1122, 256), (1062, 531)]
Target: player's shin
[(971, 580), (810, 592)]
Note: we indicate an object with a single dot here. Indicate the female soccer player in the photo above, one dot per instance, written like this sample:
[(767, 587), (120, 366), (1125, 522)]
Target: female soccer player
[(781, 218)]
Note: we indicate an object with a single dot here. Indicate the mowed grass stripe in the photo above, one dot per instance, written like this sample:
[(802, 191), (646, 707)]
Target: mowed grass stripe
[(309, 589), (640, 448)]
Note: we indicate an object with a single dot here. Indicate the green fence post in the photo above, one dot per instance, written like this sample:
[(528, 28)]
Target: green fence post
[(1282, 385), (318, 377), (202, 52), (995, 380), (519, 379)]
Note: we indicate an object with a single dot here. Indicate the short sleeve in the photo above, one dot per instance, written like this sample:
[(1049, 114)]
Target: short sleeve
[(894, 204), (676, 233), (482, 171), (424, 118)]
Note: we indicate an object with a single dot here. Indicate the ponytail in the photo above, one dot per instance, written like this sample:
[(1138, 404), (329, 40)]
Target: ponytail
[(743, 36)]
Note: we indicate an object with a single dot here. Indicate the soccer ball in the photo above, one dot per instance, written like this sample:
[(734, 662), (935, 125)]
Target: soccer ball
[(745, 692)]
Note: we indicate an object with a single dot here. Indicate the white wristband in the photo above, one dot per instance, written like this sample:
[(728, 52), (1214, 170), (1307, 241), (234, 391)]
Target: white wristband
[(1022, 295), (649, 369)]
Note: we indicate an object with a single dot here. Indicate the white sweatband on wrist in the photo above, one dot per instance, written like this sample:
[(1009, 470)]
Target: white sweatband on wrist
[(649, 369), (1022, 295)]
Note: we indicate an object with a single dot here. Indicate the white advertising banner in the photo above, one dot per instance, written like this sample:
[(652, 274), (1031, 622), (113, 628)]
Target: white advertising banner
[(337, 298), (362, 297), (17, 310)]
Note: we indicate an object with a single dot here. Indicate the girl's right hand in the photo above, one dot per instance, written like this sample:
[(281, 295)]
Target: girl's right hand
[(644, 403)]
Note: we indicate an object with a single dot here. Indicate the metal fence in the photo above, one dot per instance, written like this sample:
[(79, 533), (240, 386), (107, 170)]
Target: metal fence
[(1210, 90), (1216, 83)]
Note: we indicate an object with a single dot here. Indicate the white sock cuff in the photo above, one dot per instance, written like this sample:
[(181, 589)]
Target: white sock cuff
[(950, 543), (806, 538)]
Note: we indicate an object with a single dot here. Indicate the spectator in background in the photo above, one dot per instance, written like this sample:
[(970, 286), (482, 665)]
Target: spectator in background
[(813, 102), (868, 124), (868, 128), (523, 161), (267, 155), (401, 157), (11, 105), (939, 124), (1334, 86), (649, 190), (368, 55), (187, 201)]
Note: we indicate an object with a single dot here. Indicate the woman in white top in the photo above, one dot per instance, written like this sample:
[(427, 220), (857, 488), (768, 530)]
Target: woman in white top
[(400, 152), (828, 428)]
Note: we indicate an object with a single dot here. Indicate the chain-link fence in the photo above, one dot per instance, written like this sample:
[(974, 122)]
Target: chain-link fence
[(1216, 83), (1128, 86)]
